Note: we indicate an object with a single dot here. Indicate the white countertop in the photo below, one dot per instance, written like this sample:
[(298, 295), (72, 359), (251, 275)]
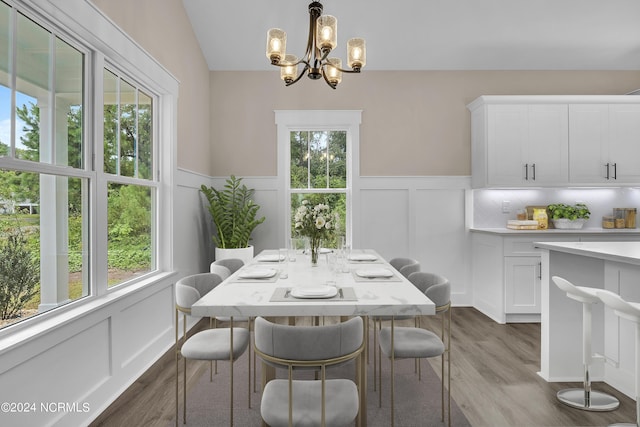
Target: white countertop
[(556, 231), (626, 252)]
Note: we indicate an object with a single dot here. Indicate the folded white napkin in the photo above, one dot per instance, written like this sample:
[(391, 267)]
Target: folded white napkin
[(314, 291), (257, 273), (374, 272), (362, 257)]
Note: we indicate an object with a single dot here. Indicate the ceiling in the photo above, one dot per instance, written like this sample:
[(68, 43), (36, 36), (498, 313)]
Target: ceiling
[(432, 34)]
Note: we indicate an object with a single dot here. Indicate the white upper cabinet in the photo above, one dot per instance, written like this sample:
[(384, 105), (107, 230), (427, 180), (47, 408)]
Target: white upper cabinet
[(546, 141), (520, 146), (604, 144)]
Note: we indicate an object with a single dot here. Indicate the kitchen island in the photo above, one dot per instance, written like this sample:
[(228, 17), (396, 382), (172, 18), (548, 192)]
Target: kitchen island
[(614, 266)]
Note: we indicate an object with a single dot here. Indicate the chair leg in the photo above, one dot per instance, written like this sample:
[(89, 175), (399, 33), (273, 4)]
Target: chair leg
[(393, 376)]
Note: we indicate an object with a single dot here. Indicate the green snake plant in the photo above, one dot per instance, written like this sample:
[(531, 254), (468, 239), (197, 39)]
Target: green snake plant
[(233, 212)]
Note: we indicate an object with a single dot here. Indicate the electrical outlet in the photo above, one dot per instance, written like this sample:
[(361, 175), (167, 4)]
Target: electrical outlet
[(506, 206)]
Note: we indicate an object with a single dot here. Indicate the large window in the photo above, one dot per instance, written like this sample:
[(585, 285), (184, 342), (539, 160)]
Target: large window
[(63, 194), (317, 162)]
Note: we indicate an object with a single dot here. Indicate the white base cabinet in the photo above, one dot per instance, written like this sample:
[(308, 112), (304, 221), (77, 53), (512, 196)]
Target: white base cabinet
[(506, 271)]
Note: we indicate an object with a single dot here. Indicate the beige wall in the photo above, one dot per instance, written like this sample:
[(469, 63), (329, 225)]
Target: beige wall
[(413, 123), (162, 28)]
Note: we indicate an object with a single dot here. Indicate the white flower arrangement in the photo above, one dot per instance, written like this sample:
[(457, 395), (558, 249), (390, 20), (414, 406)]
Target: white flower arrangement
[(316, 223)]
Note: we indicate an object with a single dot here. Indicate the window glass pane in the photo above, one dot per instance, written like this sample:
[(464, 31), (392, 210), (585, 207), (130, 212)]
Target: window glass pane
[(32, 86), (337, 159), (299, 159), (110, 122), (336, 201), (128, 131), (69, 103), (5, 93), (130, 235), (145, 137), (318, 160), (43, 243)]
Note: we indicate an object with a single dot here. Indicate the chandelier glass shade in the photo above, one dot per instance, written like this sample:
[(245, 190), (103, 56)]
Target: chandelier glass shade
[(316, 64)]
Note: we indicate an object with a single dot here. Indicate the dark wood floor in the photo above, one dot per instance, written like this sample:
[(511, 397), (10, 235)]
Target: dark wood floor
[(494, 381)]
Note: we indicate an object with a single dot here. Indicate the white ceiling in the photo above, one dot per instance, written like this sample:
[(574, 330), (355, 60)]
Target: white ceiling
[(432, 34)]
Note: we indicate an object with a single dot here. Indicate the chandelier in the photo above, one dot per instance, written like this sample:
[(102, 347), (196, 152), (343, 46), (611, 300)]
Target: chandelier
[(322, 40)]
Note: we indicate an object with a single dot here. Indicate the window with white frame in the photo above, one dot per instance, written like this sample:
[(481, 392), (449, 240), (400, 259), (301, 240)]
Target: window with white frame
[(51, 189), (317, 150)]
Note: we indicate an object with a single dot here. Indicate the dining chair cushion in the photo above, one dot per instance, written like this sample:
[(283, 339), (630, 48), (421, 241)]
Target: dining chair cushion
[(410, 342), (190, 289), (341, 402), (220, 270), (233, 264), (436, 287), (213, 344), (308, 342)]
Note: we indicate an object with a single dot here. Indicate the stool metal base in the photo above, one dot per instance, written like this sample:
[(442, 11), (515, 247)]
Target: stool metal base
[(599, 401)]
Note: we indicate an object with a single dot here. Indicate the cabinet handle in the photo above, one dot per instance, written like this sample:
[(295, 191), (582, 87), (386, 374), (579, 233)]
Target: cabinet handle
[(615, 171), (534, 171), (607, 166), (526, 171), (540, 270)]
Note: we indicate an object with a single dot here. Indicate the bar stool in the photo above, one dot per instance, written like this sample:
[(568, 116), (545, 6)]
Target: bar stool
[(630, 311), (584, 398)]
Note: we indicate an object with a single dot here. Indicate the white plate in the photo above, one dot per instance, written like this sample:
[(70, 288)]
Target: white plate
[(257, 273), (270, 258), (362, 257), (374, 272), (314, 292)]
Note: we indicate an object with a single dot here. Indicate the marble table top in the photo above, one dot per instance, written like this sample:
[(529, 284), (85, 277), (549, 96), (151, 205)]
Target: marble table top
[(375, 296)]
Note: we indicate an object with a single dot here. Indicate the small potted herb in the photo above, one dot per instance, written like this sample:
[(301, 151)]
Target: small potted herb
[(568, 216)]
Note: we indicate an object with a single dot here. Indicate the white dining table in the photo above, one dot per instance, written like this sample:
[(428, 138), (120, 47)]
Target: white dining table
[(358, 296)]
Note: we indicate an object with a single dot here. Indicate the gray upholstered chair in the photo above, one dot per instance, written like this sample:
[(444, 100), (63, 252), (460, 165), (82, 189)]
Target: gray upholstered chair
[(210, 344), (297, 402), (233, 264), (405, 266), (419, 343)]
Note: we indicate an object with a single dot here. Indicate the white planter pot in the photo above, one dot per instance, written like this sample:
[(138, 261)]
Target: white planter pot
[(564, 223), (245, 254)]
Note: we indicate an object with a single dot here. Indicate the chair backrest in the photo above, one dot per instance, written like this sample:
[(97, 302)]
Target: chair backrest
[(436, 287), (578, 293), (308, 345), (405, 266), (621, 307), (233, 264), (220, 270), (190, 289)]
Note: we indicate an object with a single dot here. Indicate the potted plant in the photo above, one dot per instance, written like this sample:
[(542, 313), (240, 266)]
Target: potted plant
[(569, 216), (234, 214)]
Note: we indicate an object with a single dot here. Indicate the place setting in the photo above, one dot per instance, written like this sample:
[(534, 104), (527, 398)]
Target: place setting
[(375, 274), (310, 293), (258, 274)]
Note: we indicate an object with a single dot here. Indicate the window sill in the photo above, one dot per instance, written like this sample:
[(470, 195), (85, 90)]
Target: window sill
[(30, 329)]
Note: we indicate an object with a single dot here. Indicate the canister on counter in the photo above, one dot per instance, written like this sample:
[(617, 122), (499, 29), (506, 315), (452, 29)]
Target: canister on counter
[(630, 217), (619, 215), (608, 222)]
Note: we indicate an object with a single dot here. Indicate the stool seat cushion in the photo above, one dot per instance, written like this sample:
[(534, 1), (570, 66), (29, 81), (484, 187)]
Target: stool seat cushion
[(411, 343), (582, 294), (625, 309)]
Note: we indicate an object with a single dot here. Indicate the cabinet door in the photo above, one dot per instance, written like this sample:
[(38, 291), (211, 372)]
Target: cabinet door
[(624, 143), (506, 139), (547, 147), (588, 136), (522, 285)]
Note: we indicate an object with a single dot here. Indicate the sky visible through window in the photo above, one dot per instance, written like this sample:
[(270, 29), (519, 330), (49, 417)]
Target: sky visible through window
[(5, 115)]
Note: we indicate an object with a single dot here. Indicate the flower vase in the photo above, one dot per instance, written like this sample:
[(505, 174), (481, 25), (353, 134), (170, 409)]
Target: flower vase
[(315, 250)]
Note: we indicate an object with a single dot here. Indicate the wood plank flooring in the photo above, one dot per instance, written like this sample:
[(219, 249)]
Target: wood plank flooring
[(494, 380)]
